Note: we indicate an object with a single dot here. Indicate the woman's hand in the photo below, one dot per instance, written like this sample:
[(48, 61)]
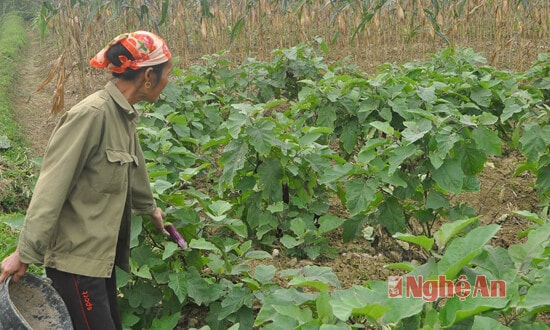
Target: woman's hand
[(12, 265), (157, 219)]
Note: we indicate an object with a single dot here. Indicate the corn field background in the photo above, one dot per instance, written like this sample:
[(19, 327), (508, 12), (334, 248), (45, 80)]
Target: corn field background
[(508, 33)]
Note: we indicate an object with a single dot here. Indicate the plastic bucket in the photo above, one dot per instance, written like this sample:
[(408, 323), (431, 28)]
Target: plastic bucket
[(32, 303)]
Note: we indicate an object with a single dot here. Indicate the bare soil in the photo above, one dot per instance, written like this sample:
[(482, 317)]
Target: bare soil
[(358, 261)]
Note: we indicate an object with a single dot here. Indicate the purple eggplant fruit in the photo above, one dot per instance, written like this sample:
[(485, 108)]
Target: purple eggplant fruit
[(175, 235)]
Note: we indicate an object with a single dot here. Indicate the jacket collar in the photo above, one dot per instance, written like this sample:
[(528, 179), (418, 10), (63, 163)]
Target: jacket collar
[(121, 101)]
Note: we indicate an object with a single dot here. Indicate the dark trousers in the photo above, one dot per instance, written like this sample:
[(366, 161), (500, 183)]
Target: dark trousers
[(91, 301)]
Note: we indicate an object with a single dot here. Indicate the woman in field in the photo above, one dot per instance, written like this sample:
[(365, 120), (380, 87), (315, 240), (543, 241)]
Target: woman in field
[(92, 178)]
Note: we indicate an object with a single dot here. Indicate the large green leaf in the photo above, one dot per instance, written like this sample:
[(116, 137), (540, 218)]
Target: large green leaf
[(449, 176), (178, 284), (487, 140), (449, 230), (461, 251), (533, 143), (456, 309), (237, 298), (425, 242), (270, 175), (534, 248), (399, 155), (373, 301), (359, 194), (202, 291), (392, 215), (232, 160), (416, 129), (262, 136)]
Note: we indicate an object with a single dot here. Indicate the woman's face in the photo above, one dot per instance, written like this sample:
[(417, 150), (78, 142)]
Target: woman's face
[(152, 94)]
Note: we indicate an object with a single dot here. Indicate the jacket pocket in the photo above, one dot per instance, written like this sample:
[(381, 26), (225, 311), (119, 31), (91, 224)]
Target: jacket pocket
[(114, 175)]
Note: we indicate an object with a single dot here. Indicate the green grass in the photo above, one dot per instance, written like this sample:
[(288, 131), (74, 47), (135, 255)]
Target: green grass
[(8, 241), (16, 168), (9, 232)]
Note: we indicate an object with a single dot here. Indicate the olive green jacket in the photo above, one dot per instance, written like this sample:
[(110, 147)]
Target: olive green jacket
[(93, 175)]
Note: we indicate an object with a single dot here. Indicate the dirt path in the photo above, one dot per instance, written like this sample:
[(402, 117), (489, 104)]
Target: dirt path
[(31, 108)]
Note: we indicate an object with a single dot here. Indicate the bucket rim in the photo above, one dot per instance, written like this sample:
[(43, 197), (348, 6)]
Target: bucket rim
[(14, 309)]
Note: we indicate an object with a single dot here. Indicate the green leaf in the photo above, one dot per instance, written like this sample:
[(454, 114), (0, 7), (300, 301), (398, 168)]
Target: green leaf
[(463, 250), (425, 242), (178, 284), (335, 173), (324, 309), (416, 129), (314, 273), (301, 281), (537, 296), (530, 216), (169, 249), (264, 273), (440, 145), (257, 255), (232, 160), (349, 136), (201, 290), (167, 322), (450, 229), (392, 216), (384, 127), (487, 140), (290, 242), (537, 240), (144, 295), (532, 142), (427, 94), (542, 185), (129, 320), (481, 96), (329, 222), (473, 160), (219, 207), (236, 30), (295, 312), (14, 220), (202, 244), (235, 122), (399, 155), (456, 310), (270, 175), (484, 322), (449, 176), (281, 297), (160, 186), (497, 261), (374, 302), (235, 300), (511, 107), (437, 200), (359, 194), (262, 136)]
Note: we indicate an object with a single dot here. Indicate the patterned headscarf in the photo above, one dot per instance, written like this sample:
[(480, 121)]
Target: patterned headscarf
[(147, 48)]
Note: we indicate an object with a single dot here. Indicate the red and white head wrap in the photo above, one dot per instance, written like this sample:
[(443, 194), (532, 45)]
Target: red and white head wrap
[(147, 48)]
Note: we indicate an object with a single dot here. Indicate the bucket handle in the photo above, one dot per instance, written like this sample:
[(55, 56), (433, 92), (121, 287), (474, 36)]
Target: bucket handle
[(6, 283)]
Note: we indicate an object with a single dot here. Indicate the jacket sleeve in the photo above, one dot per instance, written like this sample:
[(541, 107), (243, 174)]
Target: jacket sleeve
[(75, 137), (143, 202)]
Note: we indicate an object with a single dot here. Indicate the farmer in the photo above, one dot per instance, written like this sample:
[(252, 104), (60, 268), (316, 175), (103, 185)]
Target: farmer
[(92, 178)]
